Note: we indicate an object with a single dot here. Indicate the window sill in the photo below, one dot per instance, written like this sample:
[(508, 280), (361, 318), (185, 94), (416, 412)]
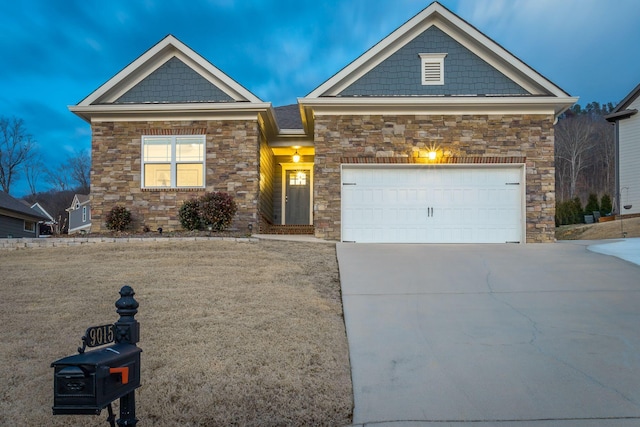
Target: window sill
[(173, 190)]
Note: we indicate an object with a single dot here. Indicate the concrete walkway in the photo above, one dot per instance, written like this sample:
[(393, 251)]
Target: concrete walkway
[(626, 249), (491, 335)]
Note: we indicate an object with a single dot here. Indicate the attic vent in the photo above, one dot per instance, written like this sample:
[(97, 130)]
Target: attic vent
[(432, 68)]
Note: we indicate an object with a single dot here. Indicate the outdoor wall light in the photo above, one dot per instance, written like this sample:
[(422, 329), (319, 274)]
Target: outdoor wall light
[(296, 157), (433, 155)]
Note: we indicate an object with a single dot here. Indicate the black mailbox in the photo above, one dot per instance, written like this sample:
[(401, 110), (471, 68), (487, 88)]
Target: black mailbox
[(88, 382)]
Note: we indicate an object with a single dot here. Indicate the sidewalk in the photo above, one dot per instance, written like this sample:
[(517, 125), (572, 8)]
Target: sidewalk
[(627, 249)]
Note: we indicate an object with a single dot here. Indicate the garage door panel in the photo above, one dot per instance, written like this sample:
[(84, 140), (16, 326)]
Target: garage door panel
[(435, 204)]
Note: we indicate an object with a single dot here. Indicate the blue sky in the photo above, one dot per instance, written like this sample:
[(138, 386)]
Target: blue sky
[(56, 52)]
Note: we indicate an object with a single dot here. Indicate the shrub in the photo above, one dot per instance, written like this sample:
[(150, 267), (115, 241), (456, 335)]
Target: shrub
[(563, 215), (217, 210), (189, 215), (576, 211), (592, 204), (213, 209), (569, 212), (118, 218), (606, 207)]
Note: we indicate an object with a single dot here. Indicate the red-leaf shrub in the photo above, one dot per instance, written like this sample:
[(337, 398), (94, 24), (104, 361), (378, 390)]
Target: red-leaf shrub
[(217, 210), (213, 209)]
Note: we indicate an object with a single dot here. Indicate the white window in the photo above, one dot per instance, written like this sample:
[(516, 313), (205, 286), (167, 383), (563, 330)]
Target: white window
[(432, 68), (298, 178), (84, 214), (30, 226), (173, 161)]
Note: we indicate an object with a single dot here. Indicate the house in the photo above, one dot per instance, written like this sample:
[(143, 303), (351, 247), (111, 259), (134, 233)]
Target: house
[(18, 219), (435, 134), (46, 226), (627, 130), (79, 214)]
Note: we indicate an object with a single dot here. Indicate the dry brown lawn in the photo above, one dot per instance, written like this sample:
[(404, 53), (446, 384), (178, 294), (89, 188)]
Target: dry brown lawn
[(232, 333), (598, 231)]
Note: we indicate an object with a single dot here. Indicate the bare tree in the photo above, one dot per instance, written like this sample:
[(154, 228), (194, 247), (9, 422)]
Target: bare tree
[(561, 180), (74, 173), (32, 172), (574, 144), (16, 149), (79, 167), (607, 155), (58, 177)]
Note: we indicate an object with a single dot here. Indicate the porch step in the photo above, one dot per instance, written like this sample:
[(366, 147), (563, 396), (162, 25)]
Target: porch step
[(289, 229)]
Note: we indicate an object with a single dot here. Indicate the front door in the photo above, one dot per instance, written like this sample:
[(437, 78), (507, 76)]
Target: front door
[(297, 196)]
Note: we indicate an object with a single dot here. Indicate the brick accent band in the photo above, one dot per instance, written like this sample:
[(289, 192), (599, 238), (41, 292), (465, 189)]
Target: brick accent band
[(444, 160), (171, 190), (184, 131)]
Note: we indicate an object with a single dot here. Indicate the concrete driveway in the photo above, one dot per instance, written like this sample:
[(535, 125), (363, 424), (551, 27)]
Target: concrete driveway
[(491, 335)]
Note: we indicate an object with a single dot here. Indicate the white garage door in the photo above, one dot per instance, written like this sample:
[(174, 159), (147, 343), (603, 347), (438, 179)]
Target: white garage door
[(429, 204)]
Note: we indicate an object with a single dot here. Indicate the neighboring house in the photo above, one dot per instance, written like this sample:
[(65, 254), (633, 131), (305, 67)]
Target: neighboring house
[(79, 214), (18, 219), (46, 226), (627, 123), (435, 134)]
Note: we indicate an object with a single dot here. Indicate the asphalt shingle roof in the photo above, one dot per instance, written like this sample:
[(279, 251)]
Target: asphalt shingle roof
[(288, 117), (9, 203)]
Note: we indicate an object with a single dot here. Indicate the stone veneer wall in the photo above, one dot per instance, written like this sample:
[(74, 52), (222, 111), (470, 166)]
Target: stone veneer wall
[(232, 149), (401, 137)]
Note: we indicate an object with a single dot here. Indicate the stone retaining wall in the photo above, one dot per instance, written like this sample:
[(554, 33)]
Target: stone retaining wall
[(14, 244)]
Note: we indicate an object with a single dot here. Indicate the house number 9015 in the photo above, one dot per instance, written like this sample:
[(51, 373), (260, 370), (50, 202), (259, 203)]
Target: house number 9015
[(99, 335)]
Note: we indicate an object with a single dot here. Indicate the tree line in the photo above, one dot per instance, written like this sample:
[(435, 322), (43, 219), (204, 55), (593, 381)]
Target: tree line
[(20, 157), (585, 154)]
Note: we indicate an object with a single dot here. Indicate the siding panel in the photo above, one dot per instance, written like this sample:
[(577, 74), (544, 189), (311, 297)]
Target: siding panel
[(14, 227), (629, 161), (465, 73)]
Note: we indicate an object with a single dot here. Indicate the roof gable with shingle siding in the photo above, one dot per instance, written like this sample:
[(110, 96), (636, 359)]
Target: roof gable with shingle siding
[(156, 57), (464, 72), (174, 82), (171, 81), (459, 30)]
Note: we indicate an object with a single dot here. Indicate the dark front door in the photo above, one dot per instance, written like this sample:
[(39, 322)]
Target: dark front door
[(298, 196)]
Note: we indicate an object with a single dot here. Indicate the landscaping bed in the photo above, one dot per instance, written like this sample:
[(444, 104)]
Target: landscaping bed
[(601, 230)]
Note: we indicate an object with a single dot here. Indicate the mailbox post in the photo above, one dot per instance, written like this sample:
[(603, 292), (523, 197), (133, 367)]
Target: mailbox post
[(88, 382), (127, 331)]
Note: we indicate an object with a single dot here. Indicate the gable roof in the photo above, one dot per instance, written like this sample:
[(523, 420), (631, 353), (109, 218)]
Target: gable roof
[(437, 16), (621, 111), (41, 210), (78, 199), (160, 68), (13, 207)]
